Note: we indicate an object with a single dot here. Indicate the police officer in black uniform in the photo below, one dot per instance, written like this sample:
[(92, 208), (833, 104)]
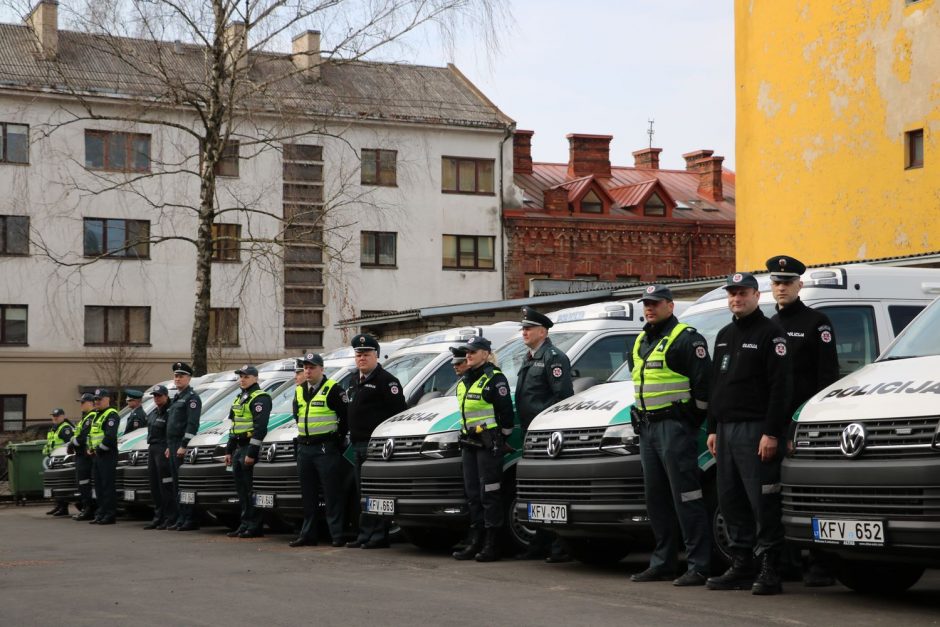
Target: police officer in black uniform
[(250, 414), (373, 396), (544, 379), (60, 433), (137, 419), (182, 423), (671, 369), (103, 447), (811, 343), (459, 360), (83, 462), (321, 430), (158, 466), (748, 412)]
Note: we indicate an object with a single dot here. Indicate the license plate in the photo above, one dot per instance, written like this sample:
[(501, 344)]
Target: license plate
[(383, 507), (851, 532), (129, 495), (47, 492), (263, 500), (187, 498), (548, 513)]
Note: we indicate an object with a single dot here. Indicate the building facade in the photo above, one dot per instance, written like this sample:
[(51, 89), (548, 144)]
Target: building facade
[(838, 115)]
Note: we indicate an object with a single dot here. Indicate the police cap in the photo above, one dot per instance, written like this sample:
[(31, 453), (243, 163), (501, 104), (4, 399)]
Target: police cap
[(477, 343), (783, 268), (741, 279), (459, 354), (160, 390), (86, 397), (298, 365), (133, 394), (181, 367), (57, 412), (314, 359), (532, 318), (364, 342), (102, 393), (657, 293), (251, 371)]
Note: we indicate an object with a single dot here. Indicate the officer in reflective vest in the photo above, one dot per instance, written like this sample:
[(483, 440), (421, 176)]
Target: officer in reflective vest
[(158, 465), (670, 369), (59, 434), (83, 462), (182, 422), (103, 447), (250, 413), (137, 419), (486, 421), (320, 413)]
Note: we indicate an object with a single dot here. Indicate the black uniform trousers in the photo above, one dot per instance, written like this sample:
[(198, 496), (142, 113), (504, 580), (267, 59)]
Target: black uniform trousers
[(251, 517), (318, 470), (483, 482), (161, 484), (83, 475), (104, 471), (749, 489), (177, 513), (669, 456), (372, 527)]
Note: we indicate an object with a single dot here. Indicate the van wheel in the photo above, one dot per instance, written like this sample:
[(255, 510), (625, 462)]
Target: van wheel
[(431, 538), (877, 577), (517, 534), (721, 542), (597, 551)]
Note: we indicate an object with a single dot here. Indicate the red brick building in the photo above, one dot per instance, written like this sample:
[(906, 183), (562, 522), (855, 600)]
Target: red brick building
[(588, 220)]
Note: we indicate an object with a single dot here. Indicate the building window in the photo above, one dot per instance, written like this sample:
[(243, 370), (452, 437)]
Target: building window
[(14, 235), (914, 148), (13, 324), (223, 326), (227, 165), (379, 167), (117, 325), (14, 143), (654, 206), (591, 203), (470, 252), (12, 412), (467, 176), (225, 242), (129, 239), (378, 249), (117, 152)]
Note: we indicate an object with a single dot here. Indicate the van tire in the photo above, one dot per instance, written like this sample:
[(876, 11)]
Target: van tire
[(721, 543), (597, 551), (877, 577), (431, 538)]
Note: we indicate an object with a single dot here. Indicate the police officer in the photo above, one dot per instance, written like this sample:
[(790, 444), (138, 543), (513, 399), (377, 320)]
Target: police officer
[(671, 368), (299, 376), (59, 434), (182, 423), (83, 460), (459, 360), (103, 447), (158, 465), (748, 409), (320, 413), (811, 343), (544, 379), (374, 395), (137, 419), (486, 421), (250, 413)]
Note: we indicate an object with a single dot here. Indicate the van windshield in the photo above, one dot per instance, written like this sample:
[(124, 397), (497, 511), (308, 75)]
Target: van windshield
[(510, 356), (920, 338), (405, 367)]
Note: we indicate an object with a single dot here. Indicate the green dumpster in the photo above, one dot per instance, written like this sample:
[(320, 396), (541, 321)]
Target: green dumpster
[(24, 466)]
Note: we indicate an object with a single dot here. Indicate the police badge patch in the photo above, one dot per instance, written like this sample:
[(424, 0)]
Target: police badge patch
[(257, 406), (193, 404), (780, 349), (700, 352), (503, 390), (393, 389), (825, 336), (557, 371)]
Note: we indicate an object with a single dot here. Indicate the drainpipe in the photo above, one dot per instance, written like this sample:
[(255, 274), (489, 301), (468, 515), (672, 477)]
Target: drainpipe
[(502, 221)]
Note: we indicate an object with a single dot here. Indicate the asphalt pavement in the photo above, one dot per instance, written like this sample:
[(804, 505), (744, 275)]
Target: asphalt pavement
[(58, 571)]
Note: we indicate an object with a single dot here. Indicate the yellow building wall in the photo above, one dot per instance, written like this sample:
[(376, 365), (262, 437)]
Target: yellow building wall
[(825, 92)]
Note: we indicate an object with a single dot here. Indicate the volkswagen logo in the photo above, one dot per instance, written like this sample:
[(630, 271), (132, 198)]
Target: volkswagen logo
[(852, 440), (191, 455), (134, 456), (389, 449), (556, 442), (271, 453)]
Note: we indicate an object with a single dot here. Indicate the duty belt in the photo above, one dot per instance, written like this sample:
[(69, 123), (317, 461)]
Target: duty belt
[(242, 438), (655, 415), (315, 439)]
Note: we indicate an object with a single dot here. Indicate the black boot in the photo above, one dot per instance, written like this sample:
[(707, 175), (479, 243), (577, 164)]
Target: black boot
[(85, 514), (768, 580), (490, 550), (740, 576), (470, 551)]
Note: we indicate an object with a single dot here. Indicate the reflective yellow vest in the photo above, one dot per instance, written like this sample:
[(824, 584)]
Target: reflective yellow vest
[(655, 385), (315, 417), (96, 434), (477, 413), (243, 422), (53, 439)]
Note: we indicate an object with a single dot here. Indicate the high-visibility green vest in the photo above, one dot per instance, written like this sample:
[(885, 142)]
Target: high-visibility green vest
[(477, 413), (86, 419), (315, 417), (243, 422), (655, 385), (53, 438), (96, 434)]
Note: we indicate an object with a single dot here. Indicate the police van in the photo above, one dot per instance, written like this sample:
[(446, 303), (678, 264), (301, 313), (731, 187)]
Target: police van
[(413, 471), (580, 474), (863, 480)]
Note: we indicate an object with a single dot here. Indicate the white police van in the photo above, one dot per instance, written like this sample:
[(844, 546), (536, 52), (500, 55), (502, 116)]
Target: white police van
[(588, 487)]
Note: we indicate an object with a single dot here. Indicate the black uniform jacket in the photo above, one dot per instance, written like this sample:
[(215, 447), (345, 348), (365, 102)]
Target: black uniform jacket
[(183, 416), (334, 400), (136, 420), (544, 379), (495, 392), (371, 401), (811, 343), (751, 377), (156, 425)]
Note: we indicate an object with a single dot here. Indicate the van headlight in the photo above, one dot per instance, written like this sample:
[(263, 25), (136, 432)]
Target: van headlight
[(441, 445), (620, 440)]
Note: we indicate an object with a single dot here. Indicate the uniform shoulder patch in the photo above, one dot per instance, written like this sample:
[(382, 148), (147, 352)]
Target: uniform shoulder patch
[(557, 371), (701, 352), (258, 407), (193, 403), (780, 346), (393, 389), (110, 422), (503, 390), (825, 336)]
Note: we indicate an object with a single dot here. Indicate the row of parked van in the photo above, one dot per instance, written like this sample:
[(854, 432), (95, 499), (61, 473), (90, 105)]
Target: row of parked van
[(578, 470)]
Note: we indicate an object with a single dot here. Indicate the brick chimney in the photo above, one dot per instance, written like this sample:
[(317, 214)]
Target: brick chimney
[(555, 199), (696, 155), (44, 22), (709, 177), (522, 151), (647, 158), (588, 154), (236, 43), (306, 54)]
